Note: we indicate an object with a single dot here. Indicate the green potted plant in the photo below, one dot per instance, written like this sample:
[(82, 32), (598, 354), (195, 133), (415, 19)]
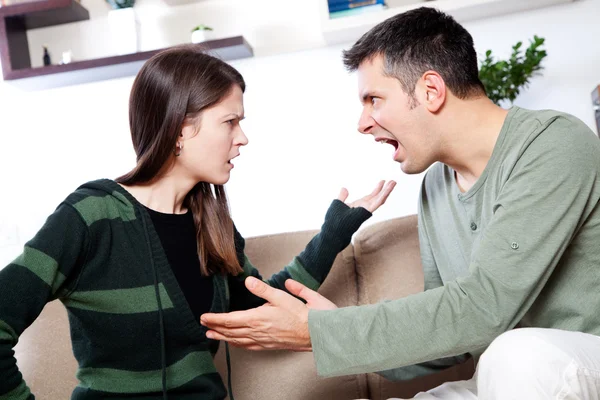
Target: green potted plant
[(504, 79), (118, 4), (201, 33)]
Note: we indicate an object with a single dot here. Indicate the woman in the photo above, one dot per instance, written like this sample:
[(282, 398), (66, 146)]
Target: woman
[(137, 260)]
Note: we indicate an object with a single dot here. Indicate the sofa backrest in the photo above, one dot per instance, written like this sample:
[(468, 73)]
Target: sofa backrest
[(388, 266), (388, 262), (282, 374)]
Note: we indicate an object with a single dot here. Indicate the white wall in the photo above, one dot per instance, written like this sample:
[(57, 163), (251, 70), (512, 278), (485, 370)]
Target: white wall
[(301, 111), (290, 25)]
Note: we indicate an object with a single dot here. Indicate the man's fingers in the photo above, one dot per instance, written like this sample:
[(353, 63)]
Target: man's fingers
[(234, 341), (262, 290), (246, 333), (243, 342), (343, 195), (236, 319), (313, 299), (298, 289)]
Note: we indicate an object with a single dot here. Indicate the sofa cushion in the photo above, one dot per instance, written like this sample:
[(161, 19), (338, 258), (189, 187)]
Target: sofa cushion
[(388, 265), (45, 357), (288, 375)]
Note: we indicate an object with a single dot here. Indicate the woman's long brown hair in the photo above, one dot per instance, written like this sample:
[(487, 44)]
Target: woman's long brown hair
[(172, 86)]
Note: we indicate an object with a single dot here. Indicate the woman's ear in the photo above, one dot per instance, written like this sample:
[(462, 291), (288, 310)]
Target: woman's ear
[(189, 129)]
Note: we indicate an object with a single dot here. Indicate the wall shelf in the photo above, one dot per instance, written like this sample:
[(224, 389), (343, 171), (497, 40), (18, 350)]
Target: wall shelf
[(351, 28), (115, 66), (17, 19), (43, 13)]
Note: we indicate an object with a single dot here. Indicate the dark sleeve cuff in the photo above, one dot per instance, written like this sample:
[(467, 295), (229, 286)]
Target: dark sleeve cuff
[(342, 221)]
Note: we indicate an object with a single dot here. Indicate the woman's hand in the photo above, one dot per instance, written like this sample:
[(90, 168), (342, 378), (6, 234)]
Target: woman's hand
[(372, 201)]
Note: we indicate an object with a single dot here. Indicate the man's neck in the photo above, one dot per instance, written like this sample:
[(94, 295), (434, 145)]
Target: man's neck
[(470, 131)]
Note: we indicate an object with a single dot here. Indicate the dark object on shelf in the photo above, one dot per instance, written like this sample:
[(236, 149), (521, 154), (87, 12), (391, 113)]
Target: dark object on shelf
[(596, 107), (47, 60)]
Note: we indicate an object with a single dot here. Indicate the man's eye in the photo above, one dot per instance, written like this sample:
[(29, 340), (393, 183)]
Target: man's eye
[(373, 100)]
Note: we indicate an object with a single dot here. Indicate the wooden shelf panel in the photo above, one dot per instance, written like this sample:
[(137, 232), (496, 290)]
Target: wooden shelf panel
[(115, 66), (44, 13)]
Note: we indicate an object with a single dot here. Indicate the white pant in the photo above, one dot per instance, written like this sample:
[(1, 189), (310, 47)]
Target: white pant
[(532, 364)]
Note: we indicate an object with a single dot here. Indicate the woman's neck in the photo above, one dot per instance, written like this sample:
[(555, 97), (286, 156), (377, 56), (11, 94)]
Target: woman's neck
[(166, 194)]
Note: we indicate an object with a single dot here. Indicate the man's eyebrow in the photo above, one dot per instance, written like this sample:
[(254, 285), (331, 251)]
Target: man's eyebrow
[(368, 93), (365, 96)]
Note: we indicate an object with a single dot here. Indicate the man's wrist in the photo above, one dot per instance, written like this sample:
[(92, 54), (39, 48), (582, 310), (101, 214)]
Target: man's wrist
[(305, 335)]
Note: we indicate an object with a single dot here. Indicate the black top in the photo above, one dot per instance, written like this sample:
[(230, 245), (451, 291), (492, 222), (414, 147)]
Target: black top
[(177, 235)]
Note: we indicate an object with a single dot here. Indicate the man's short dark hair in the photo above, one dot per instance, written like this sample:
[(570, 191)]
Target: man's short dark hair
[(419, 40)]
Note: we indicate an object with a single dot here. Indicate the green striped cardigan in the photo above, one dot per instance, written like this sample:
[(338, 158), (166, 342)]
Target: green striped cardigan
[(131, 326)]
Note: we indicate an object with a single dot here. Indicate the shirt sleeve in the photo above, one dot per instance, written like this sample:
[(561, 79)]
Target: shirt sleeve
[(431, 275), (312, 265), (432, 280), (43, 272), (547, 197)]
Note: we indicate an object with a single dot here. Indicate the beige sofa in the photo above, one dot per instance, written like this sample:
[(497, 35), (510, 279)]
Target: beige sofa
[(383, 263)]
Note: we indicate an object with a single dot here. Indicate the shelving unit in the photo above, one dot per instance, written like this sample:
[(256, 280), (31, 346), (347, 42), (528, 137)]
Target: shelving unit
[(16, 19), (351, 28), (114, 67)]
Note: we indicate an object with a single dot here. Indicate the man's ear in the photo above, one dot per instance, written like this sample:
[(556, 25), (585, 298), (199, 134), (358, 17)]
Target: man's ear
[(432, 91)]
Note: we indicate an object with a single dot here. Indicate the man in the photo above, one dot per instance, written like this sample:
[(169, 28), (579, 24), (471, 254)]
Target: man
[(509, 228)]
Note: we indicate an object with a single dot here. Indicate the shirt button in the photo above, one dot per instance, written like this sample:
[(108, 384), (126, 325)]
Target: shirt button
[(514, 245), (473, 226)]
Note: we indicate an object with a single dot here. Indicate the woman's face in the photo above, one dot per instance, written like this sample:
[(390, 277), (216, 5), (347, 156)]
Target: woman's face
[(211, 141)]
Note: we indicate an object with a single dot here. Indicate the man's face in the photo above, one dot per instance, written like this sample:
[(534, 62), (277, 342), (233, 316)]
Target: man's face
[(393, 117)]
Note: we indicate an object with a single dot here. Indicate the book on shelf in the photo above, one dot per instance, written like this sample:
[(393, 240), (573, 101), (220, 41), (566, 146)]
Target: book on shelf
[(344, 5), (357, 11)]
